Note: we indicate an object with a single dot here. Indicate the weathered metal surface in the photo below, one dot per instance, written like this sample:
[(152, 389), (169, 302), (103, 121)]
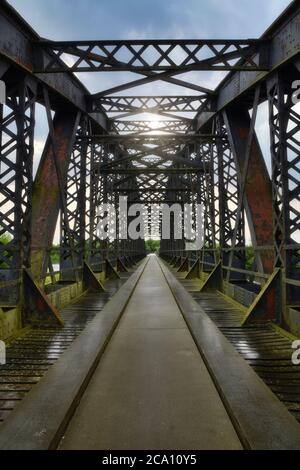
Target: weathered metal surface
[(133, 105), (284, 45), (90, 281), (121, 266), (222, 169), (176, 125), (266, 348), (17, 125), (154, 139), (103, 55), (151, 171), (184, 267), (258, 189), (257, 413), (92, 321), (76, 191), (267, 305), (214, 280), (46, 192), (110, 271), (194, 272), (284, 122), (16, 45), (34, 351), (37, 308)]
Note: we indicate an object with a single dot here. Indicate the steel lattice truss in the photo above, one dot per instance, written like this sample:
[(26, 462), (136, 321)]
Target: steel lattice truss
[(229, 196), (209, 194), (163, 105), (16, 147), (177, 126), (183, 55), (285, 146), (75, 222), (197, 145)]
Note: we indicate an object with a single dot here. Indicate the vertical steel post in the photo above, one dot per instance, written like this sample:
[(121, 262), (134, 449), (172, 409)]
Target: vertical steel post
[(284, 121), (48, 184), (75, 193), (16, 150), (255, 183)]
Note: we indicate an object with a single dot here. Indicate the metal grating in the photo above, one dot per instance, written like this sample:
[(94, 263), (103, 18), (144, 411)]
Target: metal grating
[(263, 346), (31, 355)]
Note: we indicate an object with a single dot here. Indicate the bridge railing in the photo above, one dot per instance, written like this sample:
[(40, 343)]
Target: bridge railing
[(56, 276)]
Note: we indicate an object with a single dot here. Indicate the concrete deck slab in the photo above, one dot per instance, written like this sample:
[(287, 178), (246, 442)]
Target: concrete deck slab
[(40, 420), (151, 389), (261, 419)]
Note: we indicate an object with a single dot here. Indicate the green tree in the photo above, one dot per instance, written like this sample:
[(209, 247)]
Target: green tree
[(5, 239), (152, 246), (250, 258)]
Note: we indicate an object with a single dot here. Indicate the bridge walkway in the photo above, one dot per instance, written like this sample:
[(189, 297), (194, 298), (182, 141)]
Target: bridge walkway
[(151, 389)]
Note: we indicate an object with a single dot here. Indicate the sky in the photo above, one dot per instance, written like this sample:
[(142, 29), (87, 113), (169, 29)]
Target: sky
[(120, 19), (149, 19)]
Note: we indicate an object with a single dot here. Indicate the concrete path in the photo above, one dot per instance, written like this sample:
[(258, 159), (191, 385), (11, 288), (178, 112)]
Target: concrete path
[(151, 389)]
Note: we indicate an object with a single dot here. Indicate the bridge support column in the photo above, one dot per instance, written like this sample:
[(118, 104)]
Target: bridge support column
[(16, 152), (231, 214), (178, 262), (90, 281), (110, 272), (214, 280), (284, 128), (184, 266), (267, 305), (47, 195), (121, 266), (256, 182), (128, 262), (74, 227), (194, 272), (37, 308)]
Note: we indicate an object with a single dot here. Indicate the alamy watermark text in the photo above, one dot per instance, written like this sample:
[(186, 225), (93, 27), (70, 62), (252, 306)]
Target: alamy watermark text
[(177, 222)]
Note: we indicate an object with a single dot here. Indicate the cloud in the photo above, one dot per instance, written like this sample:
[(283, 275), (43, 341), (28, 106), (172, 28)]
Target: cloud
[(119, 19), (75, 19), (149, 19)]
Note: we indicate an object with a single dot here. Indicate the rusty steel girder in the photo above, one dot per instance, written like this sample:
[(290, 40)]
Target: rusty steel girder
[(46, 201)]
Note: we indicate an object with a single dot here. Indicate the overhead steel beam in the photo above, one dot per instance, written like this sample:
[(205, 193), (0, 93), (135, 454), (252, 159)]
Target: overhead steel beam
[(155, 190), (150, 55), (284, 46), (215, 52), (136, 127), (145, 104), (163, 158), (16, 40), (163, 152), (154, 171), (147, 139), (151, 77), (151, 201)]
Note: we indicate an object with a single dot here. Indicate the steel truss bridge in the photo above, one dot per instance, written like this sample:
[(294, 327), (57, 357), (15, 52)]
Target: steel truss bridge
[(199, 146)]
